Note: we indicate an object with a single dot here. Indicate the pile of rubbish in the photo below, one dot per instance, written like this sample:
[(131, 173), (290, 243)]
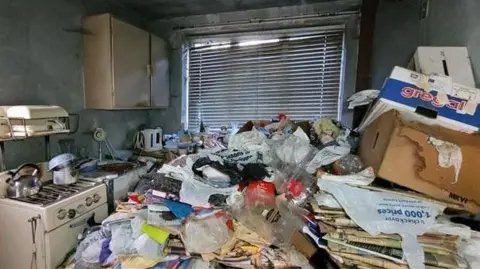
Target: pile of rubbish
[(368, 234), (288, 194)]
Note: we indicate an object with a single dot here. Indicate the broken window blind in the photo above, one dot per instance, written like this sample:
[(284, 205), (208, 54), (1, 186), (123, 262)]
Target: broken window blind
[(299, 76)]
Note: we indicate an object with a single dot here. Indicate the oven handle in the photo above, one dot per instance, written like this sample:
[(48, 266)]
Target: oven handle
[(81, 222)]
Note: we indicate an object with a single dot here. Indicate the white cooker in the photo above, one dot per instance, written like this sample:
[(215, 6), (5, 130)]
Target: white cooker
[(38, 231)]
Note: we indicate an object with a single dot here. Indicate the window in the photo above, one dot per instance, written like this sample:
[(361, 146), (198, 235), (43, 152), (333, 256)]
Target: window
[(299, 75)]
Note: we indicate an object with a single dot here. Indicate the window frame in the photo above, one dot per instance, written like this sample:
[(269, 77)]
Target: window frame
[(348, 42)]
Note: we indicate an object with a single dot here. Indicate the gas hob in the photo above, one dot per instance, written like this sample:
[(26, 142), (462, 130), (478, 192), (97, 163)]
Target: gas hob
[(61, 211), (50, 193)]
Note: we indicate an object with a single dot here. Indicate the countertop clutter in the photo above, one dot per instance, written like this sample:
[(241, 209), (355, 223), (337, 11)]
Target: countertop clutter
[(253, 134), (398, 192)]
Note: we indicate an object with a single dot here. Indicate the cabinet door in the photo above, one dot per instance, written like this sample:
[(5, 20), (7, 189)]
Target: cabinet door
[(131, 59), (97, 61), (160, 73)]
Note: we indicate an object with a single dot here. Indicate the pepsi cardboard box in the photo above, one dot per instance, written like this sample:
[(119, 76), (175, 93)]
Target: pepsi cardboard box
[(434, 99)]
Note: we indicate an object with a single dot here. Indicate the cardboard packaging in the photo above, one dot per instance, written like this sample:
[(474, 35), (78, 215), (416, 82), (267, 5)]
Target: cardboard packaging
[(435, 99), (304, 245), (401, 151), (448, 61)]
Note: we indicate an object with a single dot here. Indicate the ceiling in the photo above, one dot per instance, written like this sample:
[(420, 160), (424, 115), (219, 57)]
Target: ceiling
[(163, 9)]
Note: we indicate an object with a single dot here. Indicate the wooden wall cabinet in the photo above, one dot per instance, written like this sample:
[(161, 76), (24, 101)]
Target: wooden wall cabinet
[(124, 67)]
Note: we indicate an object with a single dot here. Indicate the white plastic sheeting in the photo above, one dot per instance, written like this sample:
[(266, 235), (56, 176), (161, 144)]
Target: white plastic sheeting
[(377, 212), (193, 192)]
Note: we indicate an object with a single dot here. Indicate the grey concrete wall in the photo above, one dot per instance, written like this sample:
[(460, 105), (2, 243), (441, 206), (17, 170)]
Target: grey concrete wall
[(177, 30), (456, 23), (41, 63), (170, 119), (399, 31)]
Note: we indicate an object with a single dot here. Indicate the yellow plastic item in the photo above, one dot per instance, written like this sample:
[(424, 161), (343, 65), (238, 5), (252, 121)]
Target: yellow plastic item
[(156, 234)]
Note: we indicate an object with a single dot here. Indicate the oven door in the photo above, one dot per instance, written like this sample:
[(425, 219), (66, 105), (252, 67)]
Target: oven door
[(63, 239)]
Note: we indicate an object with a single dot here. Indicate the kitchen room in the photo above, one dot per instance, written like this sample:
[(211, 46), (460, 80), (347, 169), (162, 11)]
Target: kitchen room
[(98, 94)]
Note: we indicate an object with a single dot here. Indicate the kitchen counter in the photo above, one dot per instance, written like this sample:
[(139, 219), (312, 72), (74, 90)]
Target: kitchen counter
[(120, 177)]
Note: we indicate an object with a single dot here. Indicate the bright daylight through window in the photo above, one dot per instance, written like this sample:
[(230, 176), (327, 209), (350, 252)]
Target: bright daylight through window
[(298, 75)]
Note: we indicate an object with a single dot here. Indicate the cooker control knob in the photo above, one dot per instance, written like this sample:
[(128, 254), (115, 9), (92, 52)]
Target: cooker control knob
[(71, 213), (80, 209), (96, 198), (88, 201), (61, 214)]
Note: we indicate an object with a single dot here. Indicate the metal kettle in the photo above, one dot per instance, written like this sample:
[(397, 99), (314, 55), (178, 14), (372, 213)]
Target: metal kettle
[(24, 182)]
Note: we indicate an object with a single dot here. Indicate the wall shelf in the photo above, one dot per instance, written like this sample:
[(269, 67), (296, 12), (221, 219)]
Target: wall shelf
[(17, 134)]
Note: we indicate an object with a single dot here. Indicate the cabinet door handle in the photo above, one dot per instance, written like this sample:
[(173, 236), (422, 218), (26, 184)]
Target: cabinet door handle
[(149, 70)]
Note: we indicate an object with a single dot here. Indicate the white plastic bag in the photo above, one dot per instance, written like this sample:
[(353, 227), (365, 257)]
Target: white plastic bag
[(378, 212), (205, 235), (293, 150), (196, 193), (470, 250), (253, 142), (327, 200), (117, 217), (192, 191), (362, 178), (88, 254), (122, 240), (361, 98), (136, 224), (327, 156), (240, 157), (249, 141), (445, 226), (178, 173), (92, 253), (147, 247), (301, 134)]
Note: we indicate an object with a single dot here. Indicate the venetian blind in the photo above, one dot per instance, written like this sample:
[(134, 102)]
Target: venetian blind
[(254, 80)]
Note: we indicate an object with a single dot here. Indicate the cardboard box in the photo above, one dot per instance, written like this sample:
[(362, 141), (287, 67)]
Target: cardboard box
[(303, 244), (436, 100), (448, 61), (400, 152)]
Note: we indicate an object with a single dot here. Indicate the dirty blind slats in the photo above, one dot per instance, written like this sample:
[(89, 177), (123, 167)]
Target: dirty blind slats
[(299, 76)]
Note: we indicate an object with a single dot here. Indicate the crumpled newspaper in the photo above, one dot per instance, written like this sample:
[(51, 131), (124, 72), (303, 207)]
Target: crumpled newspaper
[(449, 155)]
